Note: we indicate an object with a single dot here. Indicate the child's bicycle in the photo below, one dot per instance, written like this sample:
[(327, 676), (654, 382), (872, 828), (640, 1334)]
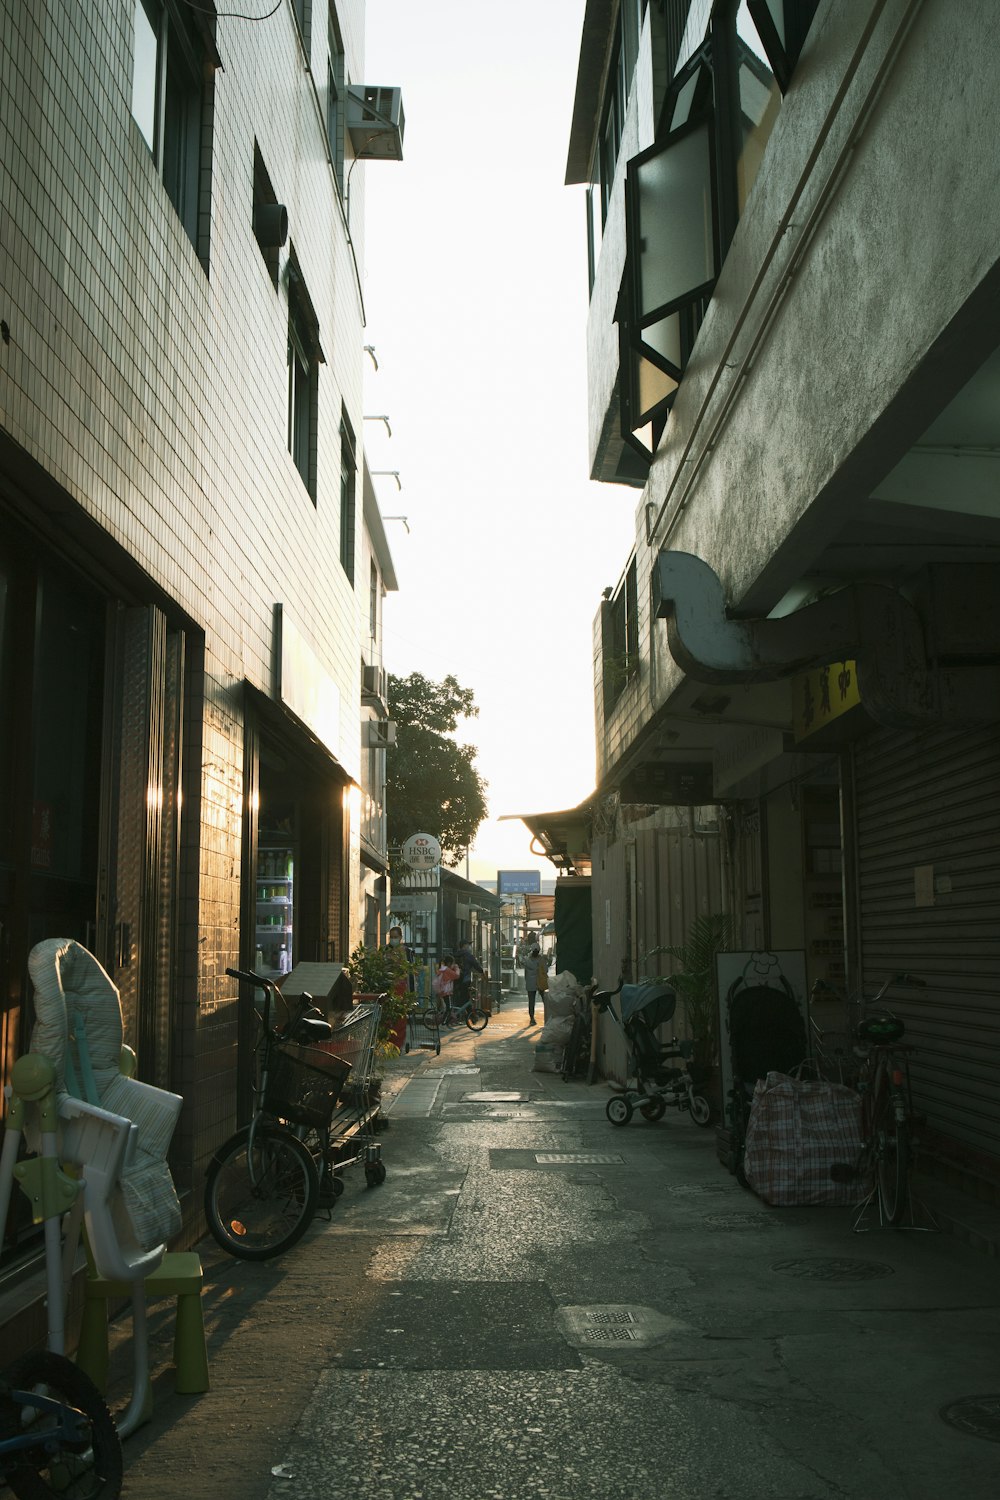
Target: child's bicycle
[(447, 1010), (57, 1436)]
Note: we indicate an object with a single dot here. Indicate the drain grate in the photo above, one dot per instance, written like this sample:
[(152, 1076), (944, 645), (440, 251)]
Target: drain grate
[(978, 1416), (618, 1325), (834, 1268), (578, 1159)]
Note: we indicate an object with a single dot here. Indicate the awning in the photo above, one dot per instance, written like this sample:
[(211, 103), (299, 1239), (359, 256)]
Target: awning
[(562, 837), (539, 908)]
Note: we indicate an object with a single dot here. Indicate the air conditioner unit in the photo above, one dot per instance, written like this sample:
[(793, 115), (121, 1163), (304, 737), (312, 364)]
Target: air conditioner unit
[(376, 122), (373, 682), (381, 733)]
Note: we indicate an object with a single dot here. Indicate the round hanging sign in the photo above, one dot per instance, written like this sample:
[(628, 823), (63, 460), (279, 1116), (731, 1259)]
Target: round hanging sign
[(421, 851)]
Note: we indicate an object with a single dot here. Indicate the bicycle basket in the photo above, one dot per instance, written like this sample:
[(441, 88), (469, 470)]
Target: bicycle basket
[(881, 1028), (304, 1084)]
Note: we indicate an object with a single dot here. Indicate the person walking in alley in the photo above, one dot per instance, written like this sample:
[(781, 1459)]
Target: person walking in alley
[(468, 964), (536, 978)]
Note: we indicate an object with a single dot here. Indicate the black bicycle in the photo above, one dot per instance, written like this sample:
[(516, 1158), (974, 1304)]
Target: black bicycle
[(263, 1186)]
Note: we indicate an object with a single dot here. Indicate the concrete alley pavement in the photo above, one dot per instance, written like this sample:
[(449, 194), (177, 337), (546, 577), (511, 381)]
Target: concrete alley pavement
[(539, 1304)]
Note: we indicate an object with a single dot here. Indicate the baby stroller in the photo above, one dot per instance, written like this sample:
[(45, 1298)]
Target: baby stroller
[(658, 1085), (766, 1034)]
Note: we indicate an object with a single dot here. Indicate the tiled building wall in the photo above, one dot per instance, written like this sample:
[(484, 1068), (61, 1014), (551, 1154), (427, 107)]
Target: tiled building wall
[(155, 392)]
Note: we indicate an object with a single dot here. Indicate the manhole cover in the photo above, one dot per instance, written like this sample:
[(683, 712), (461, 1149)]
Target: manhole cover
[(578, 1159), (610, 1319), (612, 1335), (979, 1416), (834, 1268)]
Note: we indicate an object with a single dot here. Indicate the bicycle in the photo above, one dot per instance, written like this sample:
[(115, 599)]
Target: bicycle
[(446, 1012), (263, 1185), (887, 1116)]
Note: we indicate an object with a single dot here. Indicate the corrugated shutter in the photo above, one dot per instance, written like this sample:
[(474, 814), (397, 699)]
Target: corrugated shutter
[(927, 815)]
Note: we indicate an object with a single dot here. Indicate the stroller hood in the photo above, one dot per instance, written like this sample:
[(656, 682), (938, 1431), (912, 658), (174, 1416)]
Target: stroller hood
[(655, 1001)]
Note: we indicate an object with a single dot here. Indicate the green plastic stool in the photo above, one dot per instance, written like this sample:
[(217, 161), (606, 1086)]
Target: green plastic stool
[(179, 1275)]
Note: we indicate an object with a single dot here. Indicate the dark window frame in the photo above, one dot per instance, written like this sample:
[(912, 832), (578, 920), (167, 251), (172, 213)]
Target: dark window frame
[(348, 496), (336, 98), (707, 87), (305, 355), (183, 109), (620, 639)]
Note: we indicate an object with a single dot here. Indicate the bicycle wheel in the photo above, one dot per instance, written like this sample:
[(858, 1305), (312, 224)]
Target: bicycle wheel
[(78, 1455), (477, 1020), (258, 1204), (892, 1160), (654, 1109)]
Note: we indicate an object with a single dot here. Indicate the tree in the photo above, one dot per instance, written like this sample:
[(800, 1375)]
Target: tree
[(432, 785)]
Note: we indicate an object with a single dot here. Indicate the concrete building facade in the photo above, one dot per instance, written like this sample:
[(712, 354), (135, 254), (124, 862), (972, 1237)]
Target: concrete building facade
[(793, 347), (189, 547)]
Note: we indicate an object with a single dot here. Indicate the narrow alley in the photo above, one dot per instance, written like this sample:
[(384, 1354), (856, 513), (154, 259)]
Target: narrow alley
[(536, 1303)]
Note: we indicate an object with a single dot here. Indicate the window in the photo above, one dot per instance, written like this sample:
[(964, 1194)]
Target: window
[(685, 195), (348, 486), (303, 20), (335, 98), (304, 358), (620, 639), (373, 598), (615, 103), (172, 104), (270, 220)]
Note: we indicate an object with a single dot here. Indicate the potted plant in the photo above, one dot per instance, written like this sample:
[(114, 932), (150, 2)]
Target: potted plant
[(382, 972), (694, 981)]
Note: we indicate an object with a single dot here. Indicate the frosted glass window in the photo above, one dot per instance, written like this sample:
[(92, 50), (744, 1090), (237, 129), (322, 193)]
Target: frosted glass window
[(676, 239)]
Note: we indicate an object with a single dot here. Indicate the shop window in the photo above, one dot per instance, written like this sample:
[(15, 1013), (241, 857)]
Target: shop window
[(174, 52), (348, 496)]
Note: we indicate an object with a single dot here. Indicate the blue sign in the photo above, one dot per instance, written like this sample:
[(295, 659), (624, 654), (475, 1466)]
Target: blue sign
[(519, 882)]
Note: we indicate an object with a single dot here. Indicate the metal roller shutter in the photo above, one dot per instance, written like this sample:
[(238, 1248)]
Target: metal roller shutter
[(927, 828)]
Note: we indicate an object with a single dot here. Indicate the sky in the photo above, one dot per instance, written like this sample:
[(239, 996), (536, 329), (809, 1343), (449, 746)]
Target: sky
[(476, 303)]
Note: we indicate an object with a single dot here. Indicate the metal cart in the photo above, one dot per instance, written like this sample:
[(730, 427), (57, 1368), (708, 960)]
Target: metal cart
[(423, 1030), (355, 1119)]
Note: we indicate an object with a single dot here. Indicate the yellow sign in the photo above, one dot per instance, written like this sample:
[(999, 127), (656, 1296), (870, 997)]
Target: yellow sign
[(820, 696)]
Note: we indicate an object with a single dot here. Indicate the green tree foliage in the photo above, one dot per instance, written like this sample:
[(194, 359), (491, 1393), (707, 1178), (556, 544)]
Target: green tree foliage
[(432, 785)]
